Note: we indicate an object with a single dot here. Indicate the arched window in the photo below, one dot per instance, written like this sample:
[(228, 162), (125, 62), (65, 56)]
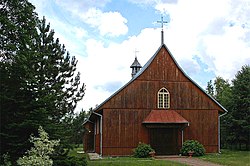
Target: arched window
[(163, 98)]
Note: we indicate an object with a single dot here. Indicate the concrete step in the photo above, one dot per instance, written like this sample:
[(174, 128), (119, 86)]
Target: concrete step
[(94, 156)]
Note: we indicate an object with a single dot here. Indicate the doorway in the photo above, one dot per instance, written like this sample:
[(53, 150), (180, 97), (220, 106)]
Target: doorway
[(164, 140)]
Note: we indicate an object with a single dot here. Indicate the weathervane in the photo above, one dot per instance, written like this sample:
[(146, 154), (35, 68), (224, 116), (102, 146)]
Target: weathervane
[(162, 32)]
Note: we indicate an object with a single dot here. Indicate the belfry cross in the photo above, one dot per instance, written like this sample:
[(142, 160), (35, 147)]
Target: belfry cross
[(136, 51), (162, 33)]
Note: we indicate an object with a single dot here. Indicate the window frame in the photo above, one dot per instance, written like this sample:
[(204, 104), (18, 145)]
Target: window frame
[(163, 99)]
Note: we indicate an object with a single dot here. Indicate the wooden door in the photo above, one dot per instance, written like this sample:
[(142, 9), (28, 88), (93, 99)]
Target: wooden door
[(88, 138), (164, 140)]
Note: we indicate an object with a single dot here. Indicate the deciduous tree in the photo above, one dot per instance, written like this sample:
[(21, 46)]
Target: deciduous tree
[(222, 92)]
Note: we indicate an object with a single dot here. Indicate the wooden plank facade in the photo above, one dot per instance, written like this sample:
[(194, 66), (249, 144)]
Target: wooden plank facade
[(122, 114)]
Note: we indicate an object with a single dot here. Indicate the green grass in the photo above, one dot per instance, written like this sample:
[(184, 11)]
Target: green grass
[(229, 157), (130, 161), (73, 152)]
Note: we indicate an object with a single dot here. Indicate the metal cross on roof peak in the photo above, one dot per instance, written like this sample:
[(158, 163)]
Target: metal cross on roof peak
[(136, 51), (162, 33), (162, 22)]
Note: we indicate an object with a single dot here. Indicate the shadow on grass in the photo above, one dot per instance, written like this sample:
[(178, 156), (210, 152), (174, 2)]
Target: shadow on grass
[(229, 157)]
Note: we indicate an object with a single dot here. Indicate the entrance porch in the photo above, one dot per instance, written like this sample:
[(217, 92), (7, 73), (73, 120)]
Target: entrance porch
[(165, 127)]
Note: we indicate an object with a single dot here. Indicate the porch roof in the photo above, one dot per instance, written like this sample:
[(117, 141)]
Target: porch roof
[(164, 117)]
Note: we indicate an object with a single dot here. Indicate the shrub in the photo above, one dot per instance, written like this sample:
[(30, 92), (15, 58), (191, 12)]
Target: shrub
[(194, 146), (70, 161), (40, 153), (142, 150), (62, 157), (6, 160)]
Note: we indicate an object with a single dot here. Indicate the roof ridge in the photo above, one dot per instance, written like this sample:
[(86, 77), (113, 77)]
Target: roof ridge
[(146, 66)]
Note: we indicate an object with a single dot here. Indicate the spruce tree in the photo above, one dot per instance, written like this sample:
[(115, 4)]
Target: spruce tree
[(240, 122)]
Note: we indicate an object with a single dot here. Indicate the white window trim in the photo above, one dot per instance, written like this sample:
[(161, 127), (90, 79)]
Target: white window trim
[(165, 97)]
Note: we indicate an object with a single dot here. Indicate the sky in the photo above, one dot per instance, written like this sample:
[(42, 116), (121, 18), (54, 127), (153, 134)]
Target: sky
[(208, 38)]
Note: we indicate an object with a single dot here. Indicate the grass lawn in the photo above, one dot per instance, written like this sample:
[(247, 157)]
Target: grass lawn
[(73, 152), (128, 161), (123, 161), (229, 157)]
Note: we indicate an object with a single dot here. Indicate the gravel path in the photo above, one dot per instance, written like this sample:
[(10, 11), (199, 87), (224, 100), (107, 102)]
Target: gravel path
[(189, 161)]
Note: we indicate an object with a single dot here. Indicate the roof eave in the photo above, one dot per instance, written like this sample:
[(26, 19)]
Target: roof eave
[(224, 109), (165, 122), (146, 66)]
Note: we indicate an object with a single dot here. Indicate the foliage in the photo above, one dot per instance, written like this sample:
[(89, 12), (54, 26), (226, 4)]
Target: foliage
[(130, 161), (6, 160), (17, 30), (194, 146), (210, 88), (77, 127), (76, 148), (223, 94), (229, 157), (72, 158), (222, 91), (235, 98), (39, 154), (239, 127), (39, 83), (70, 161), (142, 150)]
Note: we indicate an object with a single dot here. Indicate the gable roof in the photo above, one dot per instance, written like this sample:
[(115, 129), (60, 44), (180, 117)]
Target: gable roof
[(146, 66)]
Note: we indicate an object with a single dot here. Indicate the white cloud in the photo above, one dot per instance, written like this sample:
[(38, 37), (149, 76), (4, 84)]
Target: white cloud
[(77, 6), (215, 31), (40, 5), (152, 2), (79, 32), (108, 23), (106, 65), (111, 64), (227, 52)]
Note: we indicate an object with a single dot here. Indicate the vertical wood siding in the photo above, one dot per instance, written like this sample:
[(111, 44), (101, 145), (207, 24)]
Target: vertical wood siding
[(123, 130), (124, 113)]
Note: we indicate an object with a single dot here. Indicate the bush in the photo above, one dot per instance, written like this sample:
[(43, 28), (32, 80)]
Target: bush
[(142, 150), (194, 146), (70, 161), (63, 157), (6, 160), (40, 153)]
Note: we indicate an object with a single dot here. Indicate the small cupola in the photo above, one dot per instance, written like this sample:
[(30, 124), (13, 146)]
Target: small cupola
[(136, 66)]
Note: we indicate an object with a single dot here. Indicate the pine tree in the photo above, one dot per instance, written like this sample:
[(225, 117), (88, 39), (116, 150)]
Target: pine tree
[(39, 84)]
